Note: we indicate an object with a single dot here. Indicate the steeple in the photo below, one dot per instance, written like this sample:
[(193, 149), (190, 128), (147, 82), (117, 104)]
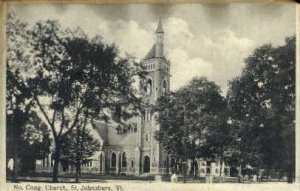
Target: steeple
[(159, 45), (157, 51), (159, 27)]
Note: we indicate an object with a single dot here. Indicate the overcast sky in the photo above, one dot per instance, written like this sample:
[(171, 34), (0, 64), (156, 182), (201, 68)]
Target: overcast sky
[(200, 39)]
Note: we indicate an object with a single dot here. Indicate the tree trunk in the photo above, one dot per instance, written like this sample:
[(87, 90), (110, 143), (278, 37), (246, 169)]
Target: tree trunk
[(56, 161), (289, 175), (221, 166), (79, 151), (15, 159), (77, 154), (268, 173), (16, 134), (184, 168), (77, 171)]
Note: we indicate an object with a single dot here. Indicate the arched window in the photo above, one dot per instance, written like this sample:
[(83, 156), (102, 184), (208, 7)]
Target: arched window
[(119, 129), (144, 115), (149, 87), (129, 129), (164, 86), (124, 162), (101, 162), (113, 160), (132, 164), (52, 160), (134, 127)]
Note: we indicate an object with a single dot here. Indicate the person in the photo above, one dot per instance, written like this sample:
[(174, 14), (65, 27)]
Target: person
[(174, 178), (254, 178)]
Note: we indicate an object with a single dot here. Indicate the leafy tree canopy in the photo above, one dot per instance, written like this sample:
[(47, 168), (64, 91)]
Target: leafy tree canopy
[(192, 121), (262, 104)]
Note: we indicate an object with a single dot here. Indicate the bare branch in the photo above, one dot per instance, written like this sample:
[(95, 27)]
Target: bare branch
[(53, 117), (46, 116), (74, 122), (62, 122)]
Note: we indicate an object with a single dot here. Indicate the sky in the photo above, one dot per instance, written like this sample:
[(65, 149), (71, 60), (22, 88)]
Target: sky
[(209, 40)]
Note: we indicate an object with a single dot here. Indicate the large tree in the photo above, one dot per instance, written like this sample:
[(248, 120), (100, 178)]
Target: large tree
[(18, 100), (76, 78), (262, 100), (35, 141), (193, 122)]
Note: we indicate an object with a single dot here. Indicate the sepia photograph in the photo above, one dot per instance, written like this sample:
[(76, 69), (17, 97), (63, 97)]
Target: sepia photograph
[(174, 96)]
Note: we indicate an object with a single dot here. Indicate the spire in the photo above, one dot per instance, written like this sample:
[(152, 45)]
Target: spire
[(157, 50), (159, 27)]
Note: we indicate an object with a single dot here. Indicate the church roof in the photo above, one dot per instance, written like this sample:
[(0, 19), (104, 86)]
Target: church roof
[(124, 139), (151, 53), (159, 27), (110, 136)]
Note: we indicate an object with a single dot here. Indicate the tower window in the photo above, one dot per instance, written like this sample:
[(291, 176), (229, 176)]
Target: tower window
[(164, 86), (144, 115), (149, 87), (129, 128), (134, 127), (147, 137)]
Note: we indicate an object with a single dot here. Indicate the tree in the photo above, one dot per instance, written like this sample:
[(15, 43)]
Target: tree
[(35, 142), (193, 122), (78, 141), (76, 79), (262, 99), (18, 100)]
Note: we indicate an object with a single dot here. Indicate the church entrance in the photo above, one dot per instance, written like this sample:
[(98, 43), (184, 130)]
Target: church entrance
[(146, 164), (113, 162), (194, 168)]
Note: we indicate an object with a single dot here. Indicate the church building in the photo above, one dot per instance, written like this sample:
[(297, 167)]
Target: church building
[(131, 149)]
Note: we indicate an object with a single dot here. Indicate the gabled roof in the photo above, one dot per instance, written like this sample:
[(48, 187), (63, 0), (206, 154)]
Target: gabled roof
[(123, 139), (151, 53), (110, 136)]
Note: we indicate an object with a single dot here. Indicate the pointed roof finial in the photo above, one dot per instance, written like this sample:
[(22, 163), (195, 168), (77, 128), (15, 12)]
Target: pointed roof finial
[(159, 27)]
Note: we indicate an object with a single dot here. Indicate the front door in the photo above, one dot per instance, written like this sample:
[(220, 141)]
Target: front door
[(146, 164)]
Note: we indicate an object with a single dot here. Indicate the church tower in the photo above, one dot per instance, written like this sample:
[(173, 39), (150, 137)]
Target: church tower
[(156, 83), (158, 68)]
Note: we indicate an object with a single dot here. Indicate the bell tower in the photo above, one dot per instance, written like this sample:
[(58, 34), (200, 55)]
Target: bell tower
[(155, 84), (157, 66)]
